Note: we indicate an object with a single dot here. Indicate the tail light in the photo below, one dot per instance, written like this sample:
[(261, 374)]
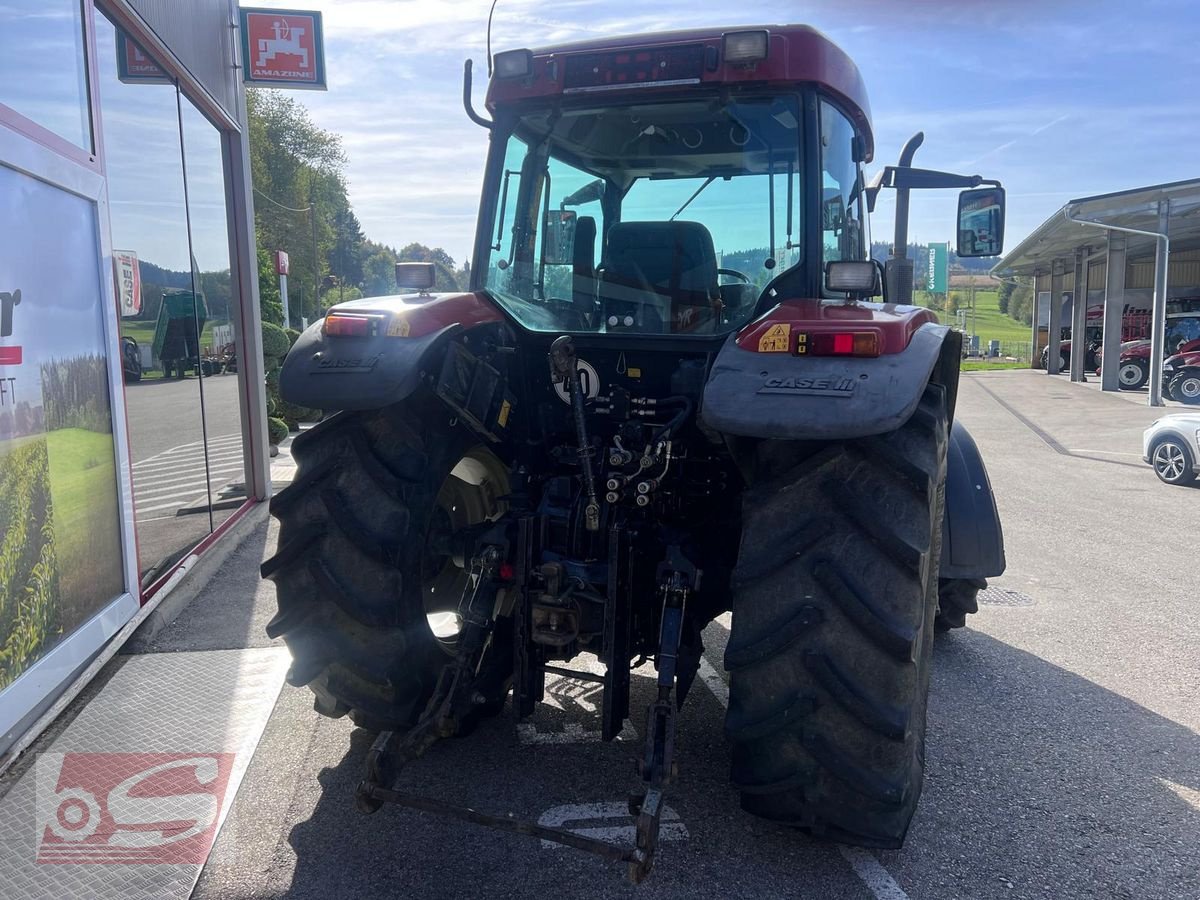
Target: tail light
[(838, 343), (346, 325)]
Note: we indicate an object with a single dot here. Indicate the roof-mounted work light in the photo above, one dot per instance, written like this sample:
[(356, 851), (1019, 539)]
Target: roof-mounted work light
[(513, 64), (742, 47)]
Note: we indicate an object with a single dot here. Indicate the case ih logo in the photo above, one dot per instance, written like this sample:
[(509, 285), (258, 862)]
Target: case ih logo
[(283, 47), (129, 808), (824, 387), (9, 356)]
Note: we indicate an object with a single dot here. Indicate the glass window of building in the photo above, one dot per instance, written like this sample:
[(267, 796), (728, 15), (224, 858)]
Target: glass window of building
[(43, 67), (212, 278), (160, 329)]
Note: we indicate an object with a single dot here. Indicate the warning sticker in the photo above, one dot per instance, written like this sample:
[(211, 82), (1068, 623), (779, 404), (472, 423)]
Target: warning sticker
[(776, 339), (502, 417), (399, 327)]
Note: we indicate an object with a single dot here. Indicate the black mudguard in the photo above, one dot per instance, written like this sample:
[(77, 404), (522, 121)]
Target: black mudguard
[(972, 540), (330, 373), (780, 396), (777, 395)]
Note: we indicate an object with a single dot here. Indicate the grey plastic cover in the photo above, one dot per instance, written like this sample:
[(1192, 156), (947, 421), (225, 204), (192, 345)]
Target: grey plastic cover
[(777, 395)]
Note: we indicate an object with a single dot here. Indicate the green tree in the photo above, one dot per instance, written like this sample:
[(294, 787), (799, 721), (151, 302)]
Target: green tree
[(1005, 294), (1020, 303), (268, 288), (299, 189), (447, 271)]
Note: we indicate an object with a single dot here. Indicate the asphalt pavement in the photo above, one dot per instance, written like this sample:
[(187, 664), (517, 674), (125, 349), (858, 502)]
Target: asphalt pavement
[(1063, 756)]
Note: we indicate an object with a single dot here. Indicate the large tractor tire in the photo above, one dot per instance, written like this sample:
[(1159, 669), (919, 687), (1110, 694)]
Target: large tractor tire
[(957, 599), (835, 593), (1185, 388), (367, 573)]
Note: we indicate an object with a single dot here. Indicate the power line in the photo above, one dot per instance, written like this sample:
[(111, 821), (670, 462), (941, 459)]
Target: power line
[(280, 205)]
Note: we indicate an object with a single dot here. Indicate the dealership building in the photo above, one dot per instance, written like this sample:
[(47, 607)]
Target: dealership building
[(1135, 255), (133, 436)]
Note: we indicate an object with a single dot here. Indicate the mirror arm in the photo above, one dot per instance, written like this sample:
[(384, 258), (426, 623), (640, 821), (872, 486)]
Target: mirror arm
[(471, 114)]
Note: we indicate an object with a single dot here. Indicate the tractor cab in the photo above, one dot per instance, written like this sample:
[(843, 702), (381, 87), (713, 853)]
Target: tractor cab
[(668, 189), (683, 183)]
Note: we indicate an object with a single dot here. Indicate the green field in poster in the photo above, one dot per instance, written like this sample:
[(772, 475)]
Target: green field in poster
[(30, 615)]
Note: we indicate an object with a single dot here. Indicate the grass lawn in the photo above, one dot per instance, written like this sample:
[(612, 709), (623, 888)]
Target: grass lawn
[(983, 365), (991, 324), (87, 524)]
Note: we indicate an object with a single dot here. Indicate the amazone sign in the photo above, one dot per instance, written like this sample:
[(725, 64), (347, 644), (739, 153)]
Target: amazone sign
[(283, 48)]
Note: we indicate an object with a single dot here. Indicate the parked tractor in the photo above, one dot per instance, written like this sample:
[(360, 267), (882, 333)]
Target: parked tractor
[(667, 394)]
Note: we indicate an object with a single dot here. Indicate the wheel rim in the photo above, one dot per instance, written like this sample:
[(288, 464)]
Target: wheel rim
[(1169, 461), (1130, 374), (1189, 389), (472, 493)]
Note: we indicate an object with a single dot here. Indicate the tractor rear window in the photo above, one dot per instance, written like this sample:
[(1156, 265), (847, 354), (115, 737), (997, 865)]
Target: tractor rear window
[(656, 218)]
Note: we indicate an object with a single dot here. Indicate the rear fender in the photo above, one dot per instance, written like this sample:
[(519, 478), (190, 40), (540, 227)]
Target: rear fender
[(972, 540), (409, 336), (789, 397)]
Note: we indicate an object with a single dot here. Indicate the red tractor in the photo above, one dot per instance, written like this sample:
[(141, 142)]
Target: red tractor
[(666, 395)]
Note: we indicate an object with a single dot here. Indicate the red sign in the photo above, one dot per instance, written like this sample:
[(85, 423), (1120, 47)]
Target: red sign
[(133, 65), (9, 356), (129, 282), (283, 48), (129, 808), (281, 262)]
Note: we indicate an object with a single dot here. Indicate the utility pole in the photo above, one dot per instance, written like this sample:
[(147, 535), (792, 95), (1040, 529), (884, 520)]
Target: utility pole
[(312, 213)]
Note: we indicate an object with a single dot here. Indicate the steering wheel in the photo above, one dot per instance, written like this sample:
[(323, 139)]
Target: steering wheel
[(734, 273)]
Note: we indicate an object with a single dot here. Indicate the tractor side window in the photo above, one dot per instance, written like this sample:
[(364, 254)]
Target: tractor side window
[(841, 200), (566, 239), (510, 256)]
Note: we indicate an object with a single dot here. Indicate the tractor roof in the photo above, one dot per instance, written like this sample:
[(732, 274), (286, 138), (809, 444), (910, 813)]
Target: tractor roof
[(674, 60)]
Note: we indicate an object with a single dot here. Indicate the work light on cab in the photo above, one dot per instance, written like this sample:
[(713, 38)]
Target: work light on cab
[(744, 47), (513, 64)]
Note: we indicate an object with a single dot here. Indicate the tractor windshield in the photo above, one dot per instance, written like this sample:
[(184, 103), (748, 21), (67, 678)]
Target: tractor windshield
[(657, 218)]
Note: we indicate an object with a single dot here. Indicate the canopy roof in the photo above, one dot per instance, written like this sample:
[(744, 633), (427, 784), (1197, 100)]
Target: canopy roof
[(1059, 237)]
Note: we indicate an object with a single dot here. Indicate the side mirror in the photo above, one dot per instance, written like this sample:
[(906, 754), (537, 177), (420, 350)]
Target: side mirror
[(593, 190), (415, 276), (833, 213), (558, 238), (854, 277), (981, 222)]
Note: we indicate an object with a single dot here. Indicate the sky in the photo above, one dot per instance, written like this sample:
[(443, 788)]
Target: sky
[(1058, 99)]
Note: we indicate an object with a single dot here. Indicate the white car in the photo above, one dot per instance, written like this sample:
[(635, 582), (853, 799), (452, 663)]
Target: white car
[(1172, 446)]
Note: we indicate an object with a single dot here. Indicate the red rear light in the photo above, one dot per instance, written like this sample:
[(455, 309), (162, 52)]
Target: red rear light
[(351, 326), (838, 343)]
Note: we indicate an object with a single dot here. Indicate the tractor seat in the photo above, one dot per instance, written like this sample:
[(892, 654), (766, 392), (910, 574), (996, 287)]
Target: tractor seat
[(660, 277)]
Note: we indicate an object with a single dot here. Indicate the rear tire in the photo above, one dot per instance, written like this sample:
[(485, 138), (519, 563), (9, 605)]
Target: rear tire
[(835, 593), (1185, 388), (364, 542), (957, 599)]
